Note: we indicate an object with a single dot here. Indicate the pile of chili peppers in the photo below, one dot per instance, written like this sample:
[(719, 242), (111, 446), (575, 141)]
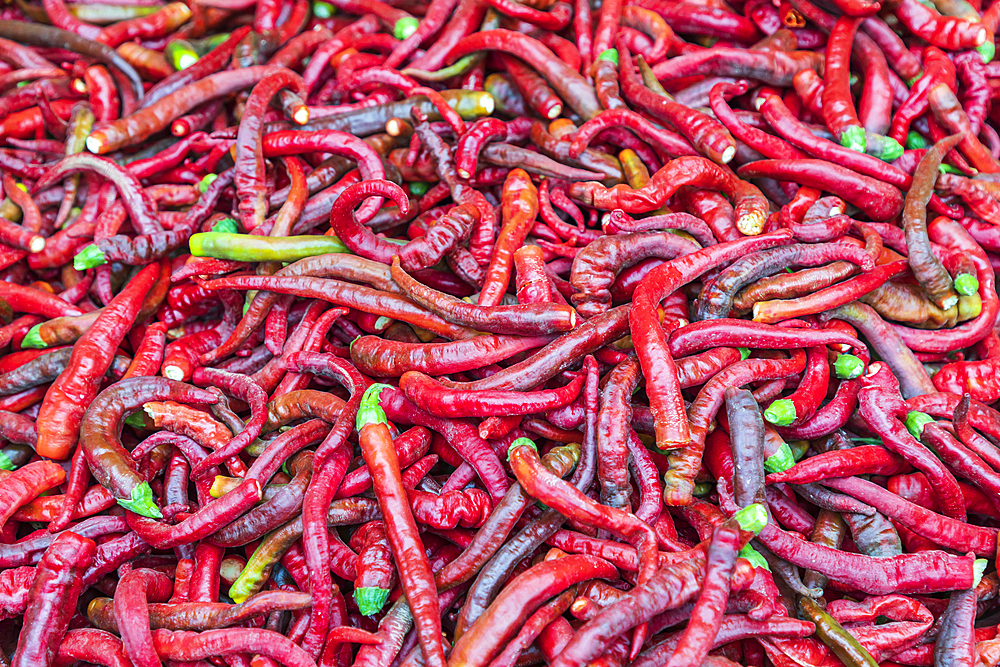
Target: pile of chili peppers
[(453, 333)]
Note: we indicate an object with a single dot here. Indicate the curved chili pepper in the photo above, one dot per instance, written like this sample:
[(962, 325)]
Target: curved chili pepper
[(192, 646), (483, 640), (934, 526), (946, 32), (249, 392), (707, 136), (109, 461), (436, 399), (707, 615), (594, 267), (155, 117), (675, 174), (523, 319)]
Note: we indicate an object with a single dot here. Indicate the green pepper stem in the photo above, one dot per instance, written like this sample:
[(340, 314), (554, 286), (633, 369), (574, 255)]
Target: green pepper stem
[(370, 599), (370, 412), (142, 502), (88, 258), (781, 412)]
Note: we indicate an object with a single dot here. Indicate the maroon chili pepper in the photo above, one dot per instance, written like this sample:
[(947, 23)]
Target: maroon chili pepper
[(135, 590), (52, 599)]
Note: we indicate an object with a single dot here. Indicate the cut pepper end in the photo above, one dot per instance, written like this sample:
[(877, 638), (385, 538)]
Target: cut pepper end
[(916, 421), (853, 137), (966, 284), (752, 555), (405, 27), (848, 367), (611, 55)]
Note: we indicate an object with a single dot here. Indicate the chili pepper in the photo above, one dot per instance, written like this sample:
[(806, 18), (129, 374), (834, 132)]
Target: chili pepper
[(249, 392), (134, 591), (594, 267), (774, 68), (200, 615), (867, 459), (946, 32), (48, 36), (935, 527), (614, 420), (927, 269), (753, 137), (838, 109), (841, 642), (281, 507), (524, 458), (879, 200), (707, 615), (716, 300), (89, 645), (414, 572), (880, 417), (70, 394), (705, 134), (483, 640), (776, 112), (190, 646), (671, 587), (375, 572), (27, 483), (52, 599), (524, 319)]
